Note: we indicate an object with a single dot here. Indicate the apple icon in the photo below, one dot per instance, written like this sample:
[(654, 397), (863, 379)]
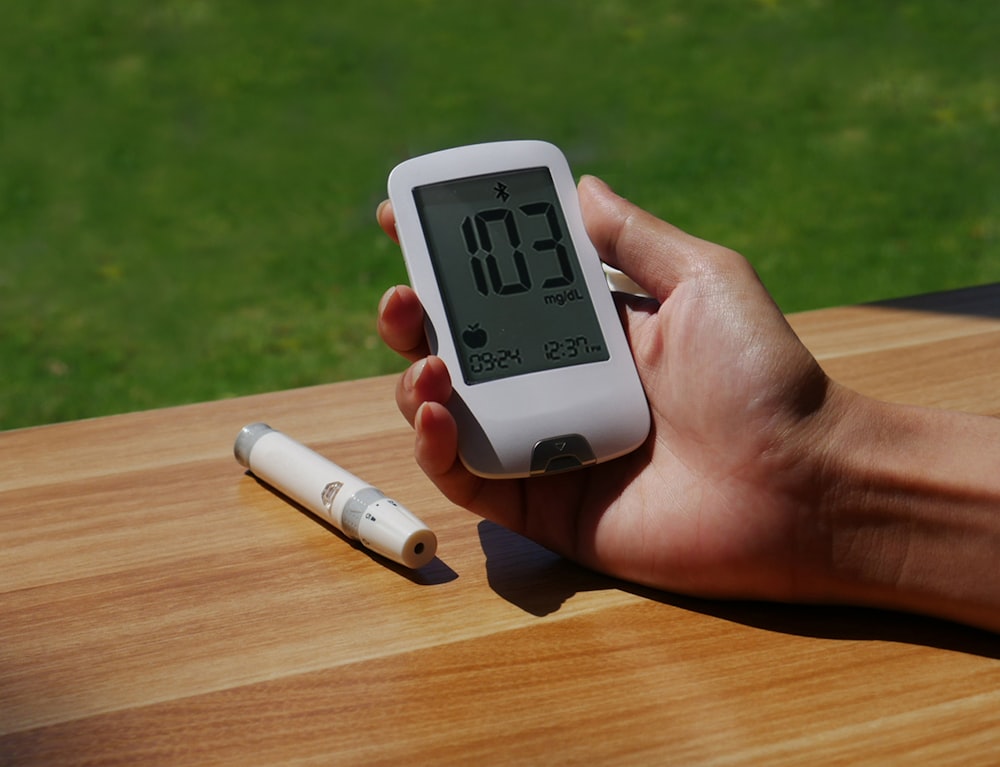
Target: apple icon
[(474, 336)]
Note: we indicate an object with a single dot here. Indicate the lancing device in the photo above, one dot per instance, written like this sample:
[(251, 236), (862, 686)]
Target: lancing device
[(350, 504)]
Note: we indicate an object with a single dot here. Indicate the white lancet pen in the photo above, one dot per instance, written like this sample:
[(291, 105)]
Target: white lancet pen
[(360, 511)]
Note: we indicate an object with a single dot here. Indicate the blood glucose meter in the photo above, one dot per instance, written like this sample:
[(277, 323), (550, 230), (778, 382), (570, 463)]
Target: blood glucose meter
[(518, 308)]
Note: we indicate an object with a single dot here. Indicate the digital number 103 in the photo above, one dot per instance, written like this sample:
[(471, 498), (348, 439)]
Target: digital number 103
[(509, 273)]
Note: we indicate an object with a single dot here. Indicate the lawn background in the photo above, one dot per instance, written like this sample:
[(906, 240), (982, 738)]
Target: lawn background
[(187, 188)]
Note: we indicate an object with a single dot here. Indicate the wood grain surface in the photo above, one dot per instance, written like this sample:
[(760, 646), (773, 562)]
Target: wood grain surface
[(158, 605)]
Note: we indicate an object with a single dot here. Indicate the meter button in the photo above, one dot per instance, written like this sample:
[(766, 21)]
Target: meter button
[(570, 451)]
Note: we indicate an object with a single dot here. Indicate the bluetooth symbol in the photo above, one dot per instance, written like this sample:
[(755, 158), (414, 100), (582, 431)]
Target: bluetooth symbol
[(501, 190)]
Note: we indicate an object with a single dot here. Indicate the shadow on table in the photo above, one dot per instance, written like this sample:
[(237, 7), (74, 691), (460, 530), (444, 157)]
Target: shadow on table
[(540, 582), (978, 301)]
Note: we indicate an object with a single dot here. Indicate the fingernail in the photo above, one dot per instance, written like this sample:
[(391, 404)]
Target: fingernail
[(413, 374), (386, 297), (418, 419)]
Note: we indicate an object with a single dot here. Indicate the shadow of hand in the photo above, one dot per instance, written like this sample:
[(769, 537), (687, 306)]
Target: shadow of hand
[(530, 576)]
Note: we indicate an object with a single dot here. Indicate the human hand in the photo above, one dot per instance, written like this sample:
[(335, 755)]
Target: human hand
[(714, 502)]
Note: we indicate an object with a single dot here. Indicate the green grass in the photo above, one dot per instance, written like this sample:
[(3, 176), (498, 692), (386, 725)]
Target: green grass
[(187, 187)]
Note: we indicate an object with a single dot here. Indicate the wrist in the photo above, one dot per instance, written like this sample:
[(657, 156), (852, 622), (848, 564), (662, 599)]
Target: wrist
[(909, 510)]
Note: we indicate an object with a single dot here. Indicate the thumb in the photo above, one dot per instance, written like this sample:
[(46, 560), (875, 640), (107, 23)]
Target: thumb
[(657, 255)]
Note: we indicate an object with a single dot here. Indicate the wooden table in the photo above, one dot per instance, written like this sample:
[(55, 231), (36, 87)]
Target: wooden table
[(160, 606)]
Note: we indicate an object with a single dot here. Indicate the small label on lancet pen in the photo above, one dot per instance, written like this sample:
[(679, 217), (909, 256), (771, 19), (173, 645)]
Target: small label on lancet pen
[(329, 493)]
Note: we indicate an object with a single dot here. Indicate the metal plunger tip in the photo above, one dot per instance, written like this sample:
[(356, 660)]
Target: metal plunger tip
[(246, 439)]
